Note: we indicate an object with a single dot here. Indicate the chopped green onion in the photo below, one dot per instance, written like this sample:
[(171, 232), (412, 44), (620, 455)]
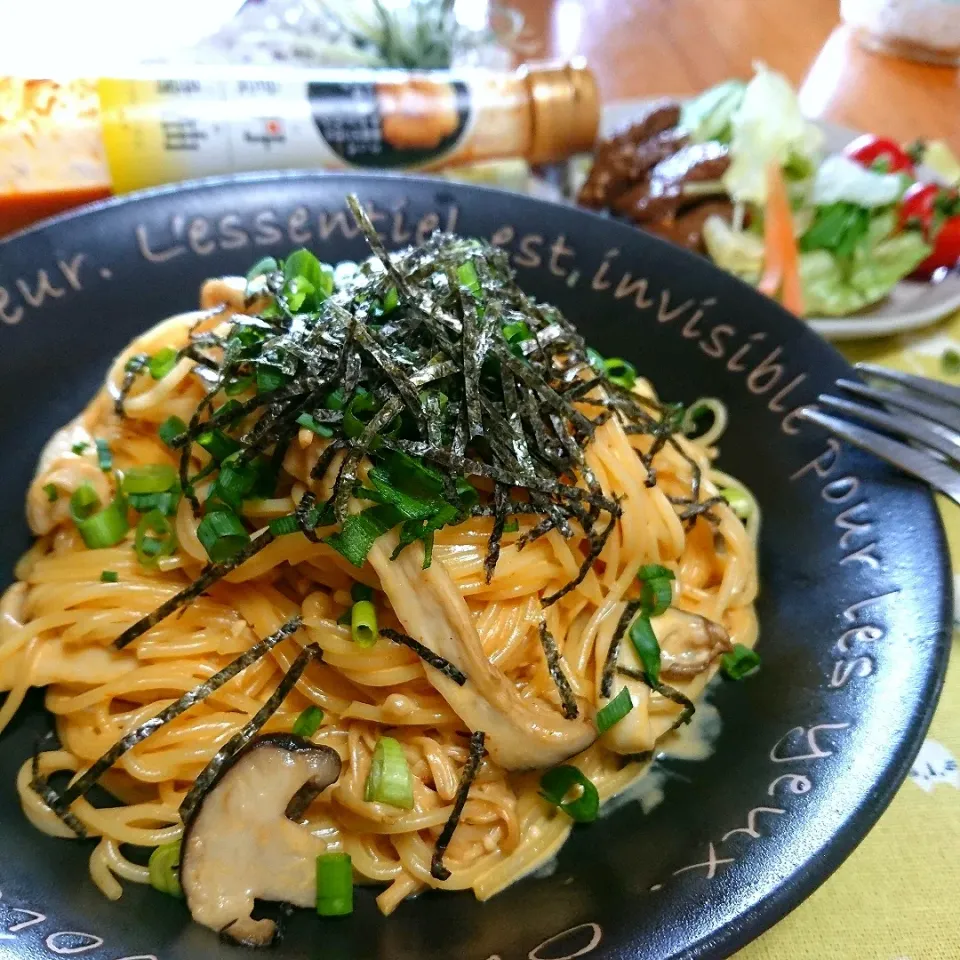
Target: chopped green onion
[(104, 456), (334, 885), (739, 502), (304, 272), (151, 478), (98, 528), (363, 624), (336, 400), (269, 378), (596, 360), (218, 444), (162, 362), (950, 362), (266, 265), (615, 710), (654, 571), (656, 596), (511, 526), (151, 548), (648, 648), (515, 333), (467, 276), (223, 535), (78, 448), (170, 428), (314, 425), (165, 502), (358, 414), (308, 723), (360, 591), (557, 784), (234, 482), (391, 301), (238, 385), (620, 372), (344, 619), (165, 869), (53, 494), (740, 662), (109, 576), (281, 526), (389, 780)]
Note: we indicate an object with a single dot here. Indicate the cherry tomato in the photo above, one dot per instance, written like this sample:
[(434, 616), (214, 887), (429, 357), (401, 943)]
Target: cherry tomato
[(881, 154), (918, 206), (946, 250), (936, 211)]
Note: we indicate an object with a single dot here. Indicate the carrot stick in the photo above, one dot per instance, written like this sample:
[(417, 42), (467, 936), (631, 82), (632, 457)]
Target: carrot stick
[(782, 260)]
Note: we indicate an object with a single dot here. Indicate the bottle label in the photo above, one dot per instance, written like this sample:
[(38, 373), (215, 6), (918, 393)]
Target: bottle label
[(161, 130)]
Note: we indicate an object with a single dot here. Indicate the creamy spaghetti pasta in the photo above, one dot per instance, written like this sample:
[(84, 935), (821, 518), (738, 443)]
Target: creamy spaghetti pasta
[(70, 602)]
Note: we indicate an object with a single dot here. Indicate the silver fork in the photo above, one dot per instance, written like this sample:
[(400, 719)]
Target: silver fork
[(922, 411)]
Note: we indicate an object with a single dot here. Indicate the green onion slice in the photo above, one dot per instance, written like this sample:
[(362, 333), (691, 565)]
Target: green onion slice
[(648, 648), (467, 276), (511, 526), (615, 710), (363, 624), (78, 448), (557, 784), (655, 571), (360, 591), (222, 535), (281, 526), (389, 780), (165, 869), (152, 478), (171, 428), (98, 527), (334, 885), (104, 456), (740, 662), (656, 596), (165, 502), (218, 444), (314, 425), (162, 362), (739, 501), (155, 538), (621, 372), (109, 576), (308, 723), (50, 489)]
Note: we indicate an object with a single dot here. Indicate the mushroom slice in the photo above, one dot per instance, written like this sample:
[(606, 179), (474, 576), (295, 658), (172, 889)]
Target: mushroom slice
[(240, 845), (521, 734), (689, 643)]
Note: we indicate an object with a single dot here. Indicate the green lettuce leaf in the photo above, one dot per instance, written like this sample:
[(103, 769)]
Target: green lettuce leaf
[(709, 115)]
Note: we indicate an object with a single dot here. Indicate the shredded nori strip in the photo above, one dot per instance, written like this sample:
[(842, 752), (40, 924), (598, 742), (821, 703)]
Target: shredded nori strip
[(426, 654), (40, 786), (570, 709), (242, 738), (210, 575), (665, 690), (132, 369), (86, 781), (626, 618), (437, 869)]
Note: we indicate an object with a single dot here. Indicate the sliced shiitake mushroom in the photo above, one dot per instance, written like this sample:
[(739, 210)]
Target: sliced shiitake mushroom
[(241, 843)]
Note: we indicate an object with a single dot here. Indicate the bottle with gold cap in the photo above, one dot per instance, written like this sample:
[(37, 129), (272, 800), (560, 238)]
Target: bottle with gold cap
[(135, 132)]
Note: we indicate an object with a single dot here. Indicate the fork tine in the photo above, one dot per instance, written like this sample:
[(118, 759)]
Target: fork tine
[(935, 410), (912, 428), (918, 464), (932, 388)]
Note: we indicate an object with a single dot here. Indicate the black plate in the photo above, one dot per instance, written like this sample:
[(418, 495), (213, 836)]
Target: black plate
[(855, 588)]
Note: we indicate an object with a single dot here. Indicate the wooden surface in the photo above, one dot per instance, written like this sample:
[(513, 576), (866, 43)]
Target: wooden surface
[(641, 48)]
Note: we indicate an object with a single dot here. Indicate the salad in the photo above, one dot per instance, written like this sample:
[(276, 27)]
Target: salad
[(739, 174)]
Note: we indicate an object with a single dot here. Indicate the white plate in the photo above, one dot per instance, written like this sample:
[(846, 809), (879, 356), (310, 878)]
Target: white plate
[(911, 304)]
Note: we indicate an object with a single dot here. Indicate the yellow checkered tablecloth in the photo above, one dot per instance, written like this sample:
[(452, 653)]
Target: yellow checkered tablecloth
[(898, 896)]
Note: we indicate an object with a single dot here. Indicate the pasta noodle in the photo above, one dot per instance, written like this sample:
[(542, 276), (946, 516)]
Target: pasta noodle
[(58, 622)]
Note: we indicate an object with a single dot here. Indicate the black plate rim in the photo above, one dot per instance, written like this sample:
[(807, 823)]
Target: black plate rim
[(762, 915)]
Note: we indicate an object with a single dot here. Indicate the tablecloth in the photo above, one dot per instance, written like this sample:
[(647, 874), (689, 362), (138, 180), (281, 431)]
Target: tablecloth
[(898, 895)]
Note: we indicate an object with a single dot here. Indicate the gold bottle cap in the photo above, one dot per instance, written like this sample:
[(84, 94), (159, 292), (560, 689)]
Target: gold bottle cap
[(566, 109)]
